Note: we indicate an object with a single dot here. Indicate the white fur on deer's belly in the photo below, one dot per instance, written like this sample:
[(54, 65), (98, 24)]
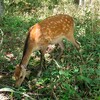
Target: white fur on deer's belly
[(57, 39), (36, 48), (52, 41)]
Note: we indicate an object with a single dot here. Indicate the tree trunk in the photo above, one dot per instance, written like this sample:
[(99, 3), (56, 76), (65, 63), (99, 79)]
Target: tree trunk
[(80, 2), (1, 7)]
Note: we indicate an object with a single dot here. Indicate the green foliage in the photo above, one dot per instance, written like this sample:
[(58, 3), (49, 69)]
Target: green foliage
[(75, 77)]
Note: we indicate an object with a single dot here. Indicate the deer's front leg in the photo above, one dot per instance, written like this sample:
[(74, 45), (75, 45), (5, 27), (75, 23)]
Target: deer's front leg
[(42, 62), (42, 59), (61, 44)]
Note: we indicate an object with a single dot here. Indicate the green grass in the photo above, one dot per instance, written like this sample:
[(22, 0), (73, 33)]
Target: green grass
[(75, 77)]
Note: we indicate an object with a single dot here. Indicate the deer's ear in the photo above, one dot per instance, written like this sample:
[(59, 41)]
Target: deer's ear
[(23, 70), (18, 69)]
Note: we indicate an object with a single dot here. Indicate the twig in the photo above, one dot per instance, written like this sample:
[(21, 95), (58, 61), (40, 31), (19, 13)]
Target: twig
[(89, 57), (2, 34), (1, 72), (54, 95), (57, 63), (81, 57), (11, 90)]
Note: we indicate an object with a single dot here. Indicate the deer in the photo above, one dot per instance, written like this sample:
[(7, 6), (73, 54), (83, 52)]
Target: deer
[(51, 30)]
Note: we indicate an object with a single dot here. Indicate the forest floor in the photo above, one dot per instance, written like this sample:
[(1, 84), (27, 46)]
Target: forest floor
[(76, 76)]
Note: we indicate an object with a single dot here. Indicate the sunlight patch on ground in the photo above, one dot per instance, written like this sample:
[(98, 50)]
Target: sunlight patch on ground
[(1, 76), (3, 97)]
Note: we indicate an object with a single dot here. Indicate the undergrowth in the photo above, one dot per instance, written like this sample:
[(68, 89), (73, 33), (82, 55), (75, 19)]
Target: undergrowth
[(76, 76)]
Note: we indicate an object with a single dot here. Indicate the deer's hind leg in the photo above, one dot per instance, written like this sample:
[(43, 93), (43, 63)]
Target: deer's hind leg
[(70, 37)]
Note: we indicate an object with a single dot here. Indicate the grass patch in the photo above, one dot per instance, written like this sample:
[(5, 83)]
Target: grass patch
[(75, 76)]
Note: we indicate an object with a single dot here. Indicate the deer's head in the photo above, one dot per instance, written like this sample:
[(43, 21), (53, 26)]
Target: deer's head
[(19, 74)]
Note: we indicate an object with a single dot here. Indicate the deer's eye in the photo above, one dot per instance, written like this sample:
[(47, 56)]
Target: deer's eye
[(21, 77)]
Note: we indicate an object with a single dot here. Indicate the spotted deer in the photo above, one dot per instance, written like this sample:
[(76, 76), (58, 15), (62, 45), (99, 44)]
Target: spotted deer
[(49, 31)]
